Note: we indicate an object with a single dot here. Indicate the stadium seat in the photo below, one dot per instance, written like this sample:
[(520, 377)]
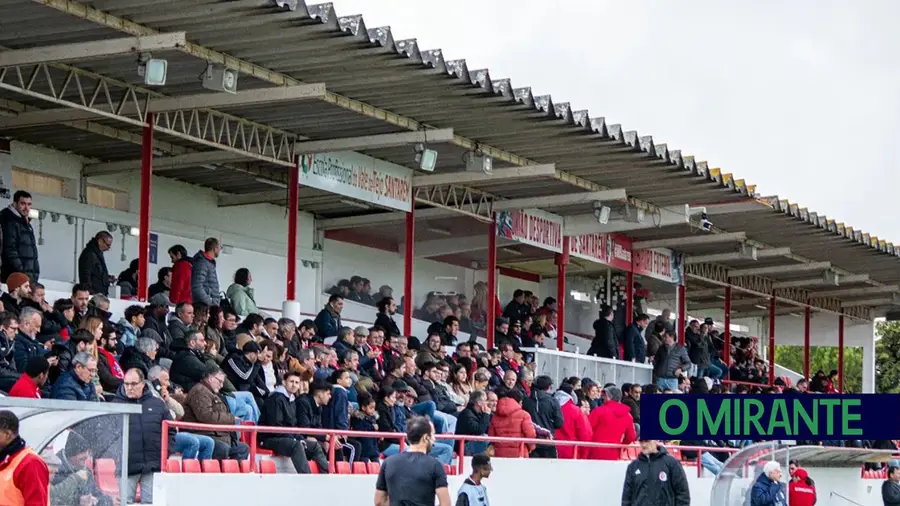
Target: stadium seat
[(190, 465), (173, 466), (105, 473), (313, 467), (210, 466), (342, 467), (675, 452), (230, 466), (360, 468), (267, 466), (374, 467), (245, 466), (450, 470)]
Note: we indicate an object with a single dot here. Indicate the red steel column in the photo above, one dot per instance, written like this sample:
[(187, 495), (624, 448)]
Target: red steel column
[(806, 316), (682, 313), (293, 211), (726, 356), (772, 340), (492, 283), (144, 220), (408, 263), (840, 353), (562, 260)]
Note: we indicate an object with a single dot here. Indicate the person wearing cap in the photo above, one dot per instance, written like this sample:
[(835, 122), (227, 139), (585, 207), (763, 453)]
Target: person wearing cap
[(655, 477), (23, 472), (245, 372), (74, 481), (802, 489), (890, 489), (473, 492), (18, 287), (768, 490)]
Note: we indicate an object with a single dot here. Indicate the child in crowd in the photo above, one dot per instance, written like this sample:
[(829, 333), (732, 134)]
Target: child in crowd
[(366, 419)]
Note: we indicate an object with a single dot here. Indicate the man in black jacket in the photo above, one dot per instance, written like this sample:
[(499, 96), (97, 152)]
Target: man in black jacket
[(81, 340), (474, 421), (19, 252), (634, 344), (545, 412), (605, 343), (656, 478), (92, 269), (245, 373), (189, 367), (280, 410), (309, 414), (145, 436)]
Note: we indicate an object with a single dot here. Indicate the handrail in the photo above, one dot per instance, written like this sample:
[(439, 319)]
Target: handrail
[(401, 436)]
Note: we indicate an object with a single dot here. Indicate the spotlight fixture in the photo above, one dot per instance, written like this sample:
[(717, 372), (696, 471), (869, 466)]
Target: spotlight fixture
[(477, 161), (220, 79), (426, 158), (153, 70), (705, 224), (601, 212), (634, 214)]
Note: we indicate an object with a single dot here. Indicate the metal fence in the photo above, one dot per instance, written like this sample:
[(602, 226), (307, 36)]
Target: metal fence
[(561, 364)]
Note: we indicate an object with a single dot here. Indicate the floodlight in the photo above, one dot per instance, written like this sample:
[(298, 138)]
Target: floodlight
[(476, 161), (426, 158), (154, 71), (601, 212), (220, 79)]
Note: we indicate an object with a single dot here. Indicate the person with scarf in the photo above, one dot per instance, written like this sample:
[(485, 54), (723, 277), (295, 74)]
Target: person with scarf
[(108, 368)]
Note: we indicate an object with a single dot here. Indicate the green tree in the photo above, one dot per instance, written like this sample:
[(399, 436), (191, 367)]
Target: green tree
[(825, 358), (887, 352)]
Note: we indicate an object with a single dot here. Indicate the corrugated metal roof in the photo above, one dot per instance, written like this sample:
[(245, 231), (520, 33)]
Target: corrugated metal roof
[(379, 85)]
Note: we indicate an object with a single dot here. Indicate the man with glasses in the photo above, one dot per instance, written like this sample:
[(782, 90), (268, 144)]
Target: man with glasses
[(92, 269), (145, 436), (204, 405), (77, 384)]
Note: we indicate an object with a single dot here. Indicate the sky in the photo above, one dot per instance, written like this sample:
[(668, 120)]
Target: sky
[(801, 98)]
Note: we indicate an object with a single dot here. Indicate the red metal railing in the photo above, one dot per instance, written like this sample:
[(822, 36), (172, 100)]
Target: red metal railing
[(401, 438)]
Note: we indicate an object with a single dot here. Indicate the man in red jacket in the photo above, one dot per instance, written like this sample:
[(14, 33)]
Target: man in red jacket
[(24, 476), (29, 384), (611, 423)]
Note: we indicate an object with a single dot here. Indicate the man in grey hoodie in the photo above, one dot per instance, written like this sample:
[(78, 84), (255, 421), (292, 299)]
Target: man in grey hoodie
[(671, 360)]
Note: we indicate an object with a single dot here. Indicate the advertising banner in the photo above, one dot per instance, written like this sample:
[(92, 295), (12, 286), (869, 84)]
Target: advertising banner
[(608, 249), (659, 263), (360, 177), (532, 227)]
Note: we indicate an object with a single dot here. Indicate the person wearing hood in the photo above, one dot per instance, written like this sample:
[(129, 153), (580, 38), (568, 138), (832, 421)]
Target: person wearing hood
[(575, 427), (656, 478), (802, 489), (240, 293), (145, 438), (768, 490), (280, 410), (510, 420), (92, 269), (545, 411), (890, 489), (74, 481), (611, 423), (204, 279)]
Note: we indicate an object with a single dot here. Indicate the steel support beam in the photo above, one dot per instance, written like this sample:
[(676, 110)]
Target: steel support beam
[(779, 269), (821, 281), (693, 240), (94, 49), (663, 217), (856, 292), (497, 175), (566, 199), (893, 300), (744, 206), (459, 199), (86, 91), (247, 199), (369, 220), (454, 245), (737, 256), (439, 135), (130, 106)]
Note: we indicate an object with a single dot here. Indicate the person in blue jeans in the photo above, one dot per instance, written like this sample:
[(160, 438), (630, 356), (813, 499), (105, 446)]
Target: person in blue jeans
[(193, 446), (242, 405), (392, 417)]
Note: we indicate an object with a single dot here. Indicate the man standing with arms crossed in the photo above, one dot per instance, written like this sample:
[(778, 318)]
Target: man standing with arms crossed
[(413, 478), (24, 477)]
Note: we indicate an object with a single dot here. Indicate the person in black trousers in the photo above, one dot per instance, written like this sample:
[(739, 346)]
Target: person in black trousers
[(279, 410)]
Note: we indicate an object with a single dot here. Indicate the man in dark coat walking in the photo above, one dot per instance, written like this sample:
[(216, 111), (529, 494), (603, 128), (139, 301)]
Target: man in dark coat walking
[(656, 478), (19, 252), (145, 436), (92, 269)]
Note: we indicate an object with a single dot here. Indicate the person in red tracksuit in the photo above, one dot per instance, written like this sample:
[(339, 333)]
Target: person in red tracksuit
[(802, 490), (576, 426), (611, 423), (180, 286), (28, 386)]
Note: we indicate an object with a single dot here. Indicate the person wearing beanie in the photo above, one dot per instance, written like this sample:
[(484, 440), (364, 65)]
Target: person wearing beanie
[(18, 286), (74, 481), (245, 372)]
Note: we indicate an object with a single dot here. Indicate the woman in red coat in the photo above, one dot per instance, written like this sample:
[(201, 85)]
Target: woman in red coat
[(180, 286), (802, 489), (510, 420), (576, 426), (611, 423)]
